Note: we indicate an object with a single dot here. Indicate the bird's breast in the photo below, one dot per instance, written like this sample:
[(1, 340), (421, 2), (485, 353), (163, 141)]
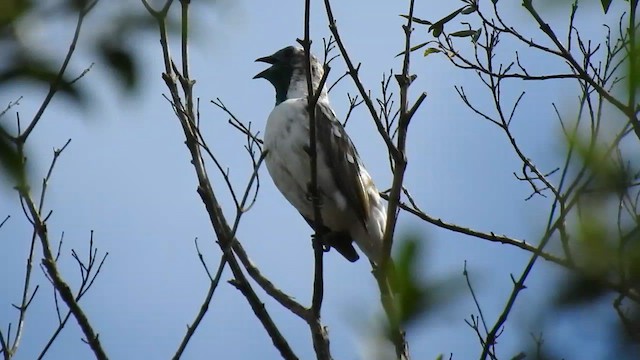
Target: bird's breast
[(286, 137)]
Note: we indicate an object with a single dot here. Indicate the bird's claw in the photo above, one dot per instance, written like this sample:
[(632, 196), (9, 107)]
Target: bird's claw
[(321, 239)]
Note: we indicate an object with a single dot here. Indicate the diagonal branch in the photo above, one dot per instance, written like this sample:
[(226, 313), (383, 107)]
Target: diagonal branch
[(353, 72), (54, 87), (187, 119), (49, 263)]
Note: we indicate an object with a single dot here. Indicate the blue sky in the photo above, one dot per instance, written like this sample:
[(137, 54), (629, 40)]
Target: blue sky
[(126, 175)]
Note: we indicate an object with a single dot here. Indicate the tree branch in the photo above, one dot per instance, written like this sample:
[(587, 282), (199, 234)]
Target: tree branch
[(187, 119), (49, 264)]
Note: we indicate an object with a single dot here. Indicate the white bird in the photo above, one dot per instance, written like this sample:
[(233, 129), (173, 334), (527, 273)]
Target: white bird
[(351, 207)]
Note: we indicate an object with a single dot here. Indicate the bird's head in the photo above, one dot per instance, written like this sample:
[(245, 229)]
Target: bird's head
[(287, 73)]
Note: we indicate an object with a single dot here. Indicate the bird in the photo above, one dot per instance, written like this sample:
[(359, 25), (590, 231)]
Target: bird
[(350, 205)]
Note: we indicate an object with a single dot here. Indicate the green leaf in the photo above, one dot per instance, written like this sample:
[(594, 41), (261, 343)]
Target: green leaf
[(10, 160), (438, 26), (633, 69), (451, 16), (39, 71), (12, 10), (605, 5), (121, 62), (469, 10), (476, 36), (417, 20), (415, 48), (609, 176), (581, 289), (436, 30), (598, 254), (411, 295), (431, 50), (77, 5), (463, 33), (632, 254)]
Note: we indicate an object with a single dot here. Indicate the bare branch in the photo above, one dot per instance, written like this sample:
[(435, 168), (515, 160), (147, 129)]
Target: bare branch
[(49, 264), (10, 105), (187, 119), (55, 85), (213, 285), (353, 72)]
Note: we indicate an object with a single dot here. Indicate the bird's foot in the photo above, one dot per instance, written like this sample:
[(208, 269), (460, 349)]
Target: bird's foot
[(330, 238), (320, 239)]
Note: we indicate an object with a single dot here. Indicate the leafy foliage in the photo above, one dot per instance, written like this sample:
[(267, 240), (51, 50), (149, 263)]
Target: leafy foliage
[(9, 158), (414, 297), (30, 65), (411, 296)]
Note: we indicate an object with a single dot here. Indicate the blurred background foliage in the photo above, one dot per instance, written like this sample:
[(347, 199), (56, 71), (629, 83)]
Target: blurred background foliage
[(605, 227), (108, 40)]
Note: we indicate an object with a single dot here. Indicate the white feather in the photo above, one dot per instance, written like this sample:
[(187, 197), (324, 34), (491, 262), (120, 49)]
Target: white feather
[(286, 137)]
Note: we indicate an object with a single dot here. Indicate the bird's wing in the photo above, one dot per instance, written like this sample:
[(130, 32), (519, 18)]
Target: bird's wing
[(343, 160)]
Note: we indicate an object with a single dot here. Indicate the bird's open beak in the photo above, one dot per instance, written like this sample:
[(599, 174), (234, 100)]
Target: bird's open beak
[(267, 59)]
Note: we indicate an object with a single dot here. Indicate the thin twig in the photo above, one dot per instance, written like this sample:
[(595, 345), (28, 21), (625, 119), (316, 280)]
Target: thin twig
[(213, 285), (55, 85), (49, 263)]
